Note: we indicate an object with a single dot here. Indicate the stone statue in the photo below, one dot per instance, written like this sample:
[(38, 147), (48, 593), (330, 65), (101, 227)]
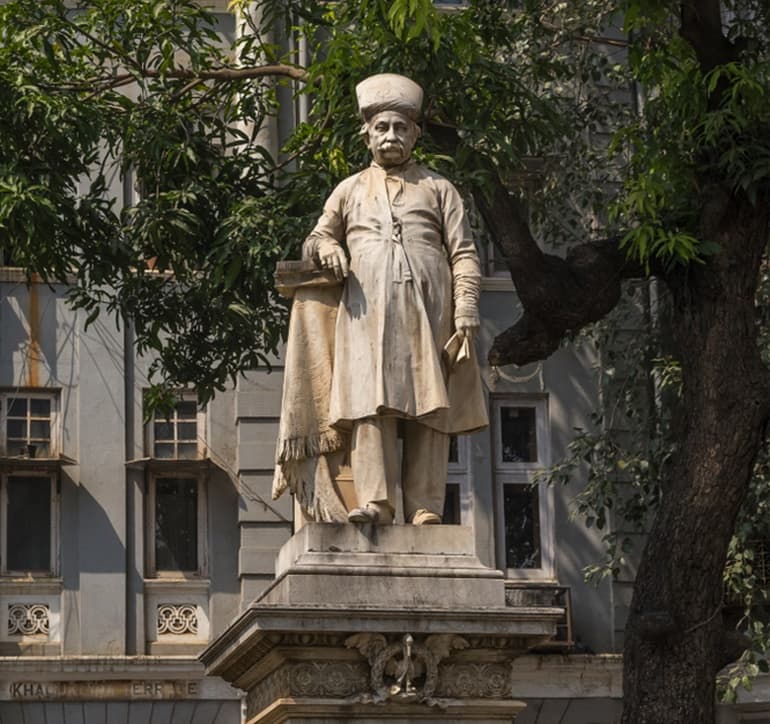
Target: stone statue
[(397, 238)]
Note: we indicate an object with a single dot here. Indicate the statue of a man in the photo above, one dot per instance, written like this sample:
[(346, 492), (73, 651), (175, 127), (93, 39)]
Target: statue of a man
[(398, 236)]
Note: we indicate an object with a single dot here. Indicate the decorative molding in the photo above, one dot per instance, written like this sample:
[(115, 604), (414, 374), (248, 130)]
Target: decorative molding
[(510, 644), (475, 680), (177, 619), (438, 670), (327, 678), (321, 678), (260, 647), (29, 619), (405, 671)]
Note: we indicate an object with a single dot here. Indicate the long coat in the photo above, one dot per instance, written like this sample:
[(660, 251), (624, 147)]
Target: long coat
[(412, 261)]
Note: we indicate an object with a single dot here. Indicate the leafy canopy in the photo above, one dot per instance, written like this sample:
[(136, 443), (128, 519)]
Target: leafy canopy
[(137, 159), (138, 154)]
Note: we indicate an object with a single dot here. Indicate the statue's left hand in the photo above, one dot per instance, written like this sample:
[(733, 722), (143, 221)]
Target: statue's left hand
[(468, 327)]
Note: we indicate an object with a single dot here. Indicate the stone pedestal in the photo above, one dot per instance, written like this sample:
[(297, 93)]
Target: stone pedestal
[(379, 624)]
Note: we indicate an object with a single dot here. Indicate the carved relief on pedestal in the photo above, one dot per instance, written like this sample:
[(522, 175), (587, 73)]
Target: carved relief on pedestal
[(406, 670), (327, 678), (28, 619), (333, 679), (475, 681)]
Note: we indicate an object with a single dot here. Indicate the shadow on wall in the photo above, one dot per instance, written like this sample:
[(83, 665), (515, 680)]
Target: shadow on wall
[(572, 385), (224, 539), (100, 549)]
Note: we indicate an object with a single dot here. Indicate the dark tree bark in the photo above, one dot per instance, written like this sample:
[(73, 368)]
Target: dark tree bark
[(674, 634), (670, 670)]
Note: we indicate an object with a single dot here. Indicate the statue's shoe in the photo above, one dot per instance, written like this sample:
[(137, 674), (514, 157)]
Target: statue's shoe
[(367, 514), (425, 517)]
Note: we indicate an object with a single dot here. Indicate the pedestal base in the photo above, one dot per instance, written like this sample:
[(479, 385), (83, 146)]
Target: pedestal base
[(395, 566), (389, 624)]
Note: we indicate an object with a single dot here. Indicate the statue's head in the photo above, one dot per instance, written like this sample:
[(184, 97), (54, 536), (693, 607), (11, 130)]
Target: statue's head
[(390, 106)]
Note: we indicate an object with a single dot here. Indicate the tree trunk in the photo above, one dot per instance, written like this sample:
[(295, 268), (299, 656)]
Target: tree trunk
[(674, 631)]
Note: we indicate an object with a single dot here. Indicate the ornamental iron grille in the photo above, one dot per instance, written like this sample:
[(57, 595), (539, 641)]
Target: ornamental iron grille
[(28, 619), (177, 619)]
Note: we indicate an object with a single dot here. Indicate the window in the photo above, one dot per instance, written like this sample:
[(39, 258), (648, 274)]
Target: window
[(523, 511), (521, 516), (518, 434), (177, 524), (29, 424), (29, 524), (176, 470), (178, 435), (29, 509)]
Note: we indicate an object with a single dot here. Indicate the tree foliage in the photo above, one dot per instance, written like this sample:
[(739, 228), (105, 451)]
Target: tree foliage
[(95, 96), (151, 94)]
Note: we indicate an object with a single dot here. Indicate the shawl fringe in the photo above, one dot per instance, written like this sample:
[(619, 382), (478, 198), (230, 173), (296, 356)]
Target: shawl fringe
[(309, 446)]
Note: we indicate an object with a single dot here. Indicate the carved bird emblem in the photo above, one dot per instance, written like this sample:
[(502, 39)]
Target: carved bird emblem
[(403, 670)]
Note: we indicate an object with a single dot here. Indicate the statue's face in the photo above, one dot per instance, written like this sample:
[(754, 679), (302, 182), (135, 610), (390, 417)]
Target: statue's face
[(391, 138)]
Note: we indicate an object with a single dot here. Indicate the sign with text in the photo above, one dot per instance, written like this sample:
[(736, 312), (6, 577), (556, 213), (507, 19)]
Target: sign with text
[(90, 690)]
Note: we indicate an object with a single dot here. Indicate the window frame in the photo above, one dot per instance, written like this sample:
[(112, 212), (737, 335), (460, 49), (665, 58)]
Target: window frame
[(523, 473), (53, 397), (55, 502), (200, 432), (201, 522)]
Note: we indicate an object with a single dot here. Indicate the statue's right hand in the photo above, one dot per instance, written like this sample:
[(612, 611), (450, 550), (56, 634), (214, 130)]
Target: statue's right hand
[(332, 256)]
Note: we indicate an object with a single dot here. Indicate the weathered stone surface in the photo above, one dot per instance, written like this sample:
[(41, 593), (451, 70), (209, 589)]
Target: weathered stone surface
[(400, 566), (386, 624), (386, 684), (379, 540)]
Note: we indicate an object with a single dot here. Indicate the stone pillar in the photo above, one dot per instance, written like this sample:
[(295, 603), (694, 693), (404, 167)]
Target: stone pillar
[(379, 624)]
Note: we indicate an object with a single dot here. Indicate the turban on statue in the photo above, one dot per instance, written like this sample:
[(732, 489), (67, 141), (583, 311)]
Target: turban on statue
[(389, 92)]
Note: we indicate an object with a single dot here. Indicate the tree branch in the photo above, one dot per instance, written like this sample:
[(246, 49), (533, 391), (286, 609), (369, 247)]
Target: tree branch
[(561, 298), (217, 74), (229, 74), (568, 292)]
